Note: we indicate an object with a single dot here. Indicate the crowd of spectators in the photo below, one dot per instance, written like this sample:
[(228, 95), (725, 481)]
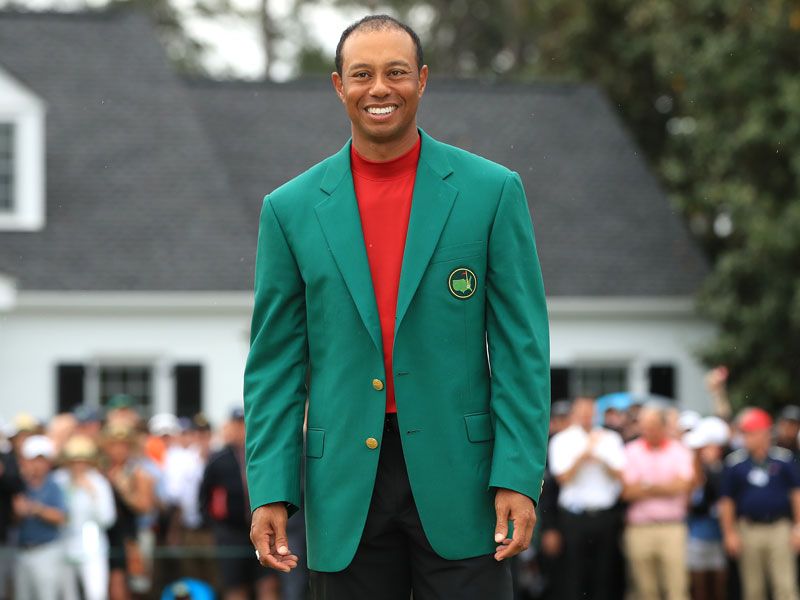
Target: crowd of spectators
[(108, 504), (651, 502), (639, 503)]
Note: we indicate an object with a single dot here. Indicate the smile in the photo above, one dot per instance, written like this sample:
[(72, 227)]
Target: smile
[(381, 110)]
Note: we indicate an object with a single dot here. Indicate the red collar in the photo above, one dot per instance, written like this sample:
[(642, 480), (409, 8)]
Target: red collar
[(664, 443), (401, 166)]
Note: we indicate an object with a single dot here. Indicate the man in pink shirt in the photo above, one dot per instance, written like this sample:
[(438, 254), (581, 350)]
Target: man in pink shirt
[(657, 481)]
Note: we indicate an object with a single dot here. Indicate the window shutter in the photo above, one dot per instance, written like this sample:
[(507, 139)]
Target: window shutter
[(559, 384), (662, 380), (188, 390), (70, 387)]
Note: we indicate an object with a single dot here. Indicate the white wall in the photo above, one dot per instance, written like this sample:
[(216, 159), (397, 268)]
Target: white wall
[(45, 330), (212, 329), (638, 333)]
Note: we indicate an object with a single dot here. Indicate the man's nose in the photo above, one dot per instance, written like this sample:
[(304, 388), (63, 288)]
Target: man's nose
[(379, 87)]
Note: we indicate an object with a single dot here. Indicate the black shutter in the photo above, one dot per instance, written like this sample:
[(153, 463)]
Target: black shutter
[(662, 380), (559, 384), (70, 387), (188, 390)]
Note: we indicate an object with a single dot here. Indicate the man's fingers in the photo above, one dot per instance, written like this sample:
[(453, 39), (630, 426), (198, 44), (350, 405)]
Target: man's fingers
[(280, 563), (501, 527), (523, 530), (268, 535), (261, 542), (282, 544)]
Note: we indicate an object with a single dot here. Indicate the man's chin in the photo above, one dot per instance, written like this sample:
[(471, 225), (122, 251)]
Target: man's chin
[(381, 133)]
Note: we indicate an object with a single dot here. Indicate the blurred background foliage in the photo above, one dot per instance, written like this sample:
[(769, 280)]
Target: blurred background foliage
[(710, 89)]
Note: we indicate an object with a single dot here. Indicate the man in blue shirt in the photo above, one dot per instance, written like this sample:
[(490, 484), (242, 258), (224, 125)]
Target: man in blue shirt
[(760, 510), (41, 509)]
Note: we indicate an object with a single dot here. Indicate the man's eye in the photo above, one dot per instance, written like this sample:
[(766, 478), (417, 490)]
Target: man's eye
[(397, 72), (361, 75)]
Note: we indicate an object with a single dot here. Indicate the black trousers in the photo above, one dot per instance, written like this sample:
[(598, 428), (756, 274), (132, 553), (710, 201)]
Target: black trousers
[(591, 555), (394, 557)]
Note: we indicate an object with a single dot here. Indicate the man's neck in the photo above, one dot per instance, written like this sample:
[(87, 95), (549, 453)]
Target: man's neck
[(383, 151), (36, 482)]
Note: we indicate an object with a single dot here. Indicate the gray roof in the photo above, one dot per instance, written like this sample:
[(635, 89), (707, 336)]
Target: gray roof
[(154, 182)]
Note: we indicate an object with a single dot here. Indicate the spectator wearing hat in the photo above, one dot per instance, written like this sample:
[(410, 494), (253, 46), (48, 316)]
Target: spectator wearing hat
[(657, 479), (705, 555), (41, 509), (587, 462), (90, 512), (760, 510), (224, 501), (787, 429), (89, 421), (203, 435), (123, 410), (134, 495), (23, 427)]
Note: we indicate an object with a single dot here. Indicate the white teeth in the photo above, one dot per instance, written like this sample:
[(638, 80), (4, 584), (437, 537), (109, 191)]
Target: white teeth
[(373, 110)]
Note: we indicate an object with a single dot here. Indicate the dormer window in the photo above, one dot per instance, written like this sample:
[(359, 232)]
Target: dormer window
[(22, 153)]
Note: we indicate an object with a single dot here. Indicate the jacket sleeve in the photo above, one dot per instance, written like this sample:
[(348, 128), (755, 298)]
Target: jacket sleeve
[(275, 371), (518, 338)]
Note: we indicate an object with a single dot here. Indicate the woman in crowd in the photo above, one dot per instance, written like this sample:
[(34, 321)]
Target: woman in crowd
[(90, 512), (134, 494), (705, 554)]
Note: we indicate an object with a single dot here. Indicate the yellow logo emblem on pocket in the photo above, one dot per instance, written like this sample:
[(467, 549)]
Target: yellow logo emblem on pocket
[(462, 283)]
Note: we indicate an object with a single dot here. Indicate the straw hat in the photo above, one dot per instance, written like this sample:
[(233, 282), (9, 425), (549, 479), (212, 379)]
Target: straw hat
[(79, 448)]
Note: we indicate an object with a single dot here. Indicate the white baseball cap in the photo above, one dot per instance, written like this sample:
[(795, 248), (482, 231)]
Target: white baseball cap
[(710, 431), (38, 445), (689, 419), (164, 424)]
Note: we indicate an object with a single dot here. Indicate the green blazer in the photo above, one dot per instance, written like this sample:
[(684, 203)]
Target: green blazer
[(471, 354)]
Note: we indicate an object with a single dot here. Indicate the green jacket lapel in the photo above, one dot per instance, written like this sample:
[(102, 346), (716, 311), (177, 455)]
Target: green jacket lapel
[(430, 206), (341, 224), (339, 218)]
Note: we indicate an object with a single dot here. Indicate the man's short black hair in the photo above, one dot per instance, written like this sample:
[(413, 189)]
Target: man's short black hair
[(377, 23)]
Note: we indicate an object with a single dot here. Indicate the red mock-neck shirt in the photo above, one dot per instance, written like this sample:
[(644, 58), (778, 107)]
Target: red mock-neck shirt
[(383, 191)]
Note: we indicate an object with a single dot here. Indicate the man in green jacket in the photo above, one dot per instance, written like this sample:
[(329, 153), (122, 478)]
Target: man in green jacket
[(398, 291)]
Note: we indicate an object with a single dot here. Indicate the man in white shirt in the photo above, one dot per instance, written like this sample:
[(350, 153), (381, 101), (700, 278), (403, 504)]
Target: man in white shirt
[(587, 461)]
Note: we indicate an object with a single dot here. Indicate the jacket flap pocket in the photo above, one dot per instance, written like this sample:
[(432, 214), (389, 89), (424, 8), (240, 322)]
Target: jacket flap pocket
[(458, 251), (315, 442), (479, 427)]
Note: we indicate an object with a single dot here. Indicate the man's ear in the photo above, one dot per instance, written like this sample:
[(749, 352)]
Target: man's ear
[(338, 85), (423, 80)]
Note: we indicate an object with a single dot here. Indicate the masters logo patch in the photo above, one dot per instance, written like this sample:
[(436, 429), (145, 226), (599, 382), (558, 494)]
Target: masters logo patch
[(462, 283)]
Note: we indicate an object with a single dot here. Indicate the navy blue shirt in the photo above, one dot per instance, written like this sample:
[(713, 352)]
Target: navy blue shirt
[(760, 491), (33, 530)]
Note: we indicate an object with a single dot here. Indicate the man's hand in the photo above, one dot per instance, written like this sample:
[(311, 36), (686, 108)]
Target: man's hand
[(732, 543), (268, 534), (518, 508), (796, 539)]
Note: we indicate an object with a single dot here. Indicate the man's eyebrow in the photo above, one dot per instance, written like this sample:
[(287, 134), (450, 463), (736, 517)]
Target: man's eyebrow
[(392, 63)]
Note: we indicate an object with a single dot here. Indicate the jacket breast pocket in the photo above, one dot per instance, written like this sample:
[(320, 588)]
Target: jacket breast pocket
[(315, 442), (479, 427), (458, 251)]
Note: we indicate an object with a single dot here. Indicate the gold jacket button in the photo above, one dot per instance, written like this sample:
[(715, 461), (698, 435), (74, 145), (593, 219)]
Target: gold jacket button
[(372, 443), (377, 384)]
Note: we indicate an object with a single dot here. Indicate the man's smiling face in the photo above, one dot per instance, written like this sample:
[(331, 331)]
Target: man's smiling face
[(380, 84)]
